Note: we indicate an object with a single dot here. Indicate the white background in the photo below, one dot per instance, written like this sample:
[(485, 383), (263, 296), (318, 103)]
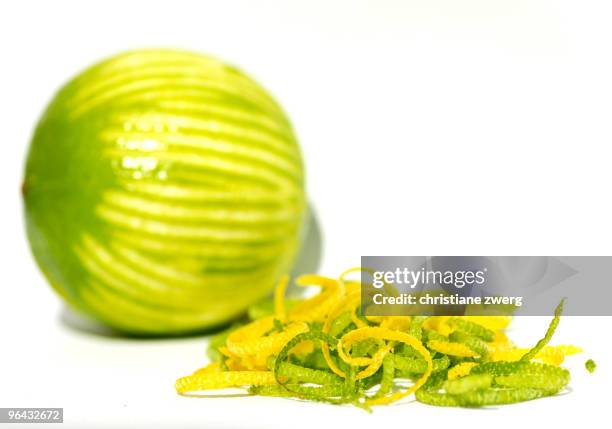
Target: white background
[(428, 127)]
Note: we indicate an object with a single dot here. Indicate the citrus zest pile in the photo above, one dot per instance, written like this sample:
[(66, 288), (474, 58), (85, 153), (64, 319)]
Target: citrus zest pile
[(321, 348)]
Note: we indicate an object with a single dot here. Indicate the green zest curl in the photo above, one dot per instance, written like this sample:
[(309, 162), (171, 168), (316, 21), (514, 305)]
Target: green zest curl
[(468, 384), (486, 397), (406, 366), (474, 343), (388, 375), (549, 333), (473, 329)]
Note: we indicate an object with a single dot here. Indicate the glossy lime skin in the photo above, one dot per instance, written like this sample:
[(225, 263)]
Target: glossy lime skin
[(164, 192)]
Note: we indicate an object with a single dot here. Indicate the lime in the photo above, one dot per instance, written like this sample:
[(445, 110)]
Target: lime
[(164, 192)]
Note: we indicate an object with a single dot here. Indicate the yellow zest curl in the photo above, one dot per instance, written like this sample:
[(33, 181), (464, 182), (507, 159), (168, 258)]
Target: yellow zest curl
[(279, 298), (222, 380)]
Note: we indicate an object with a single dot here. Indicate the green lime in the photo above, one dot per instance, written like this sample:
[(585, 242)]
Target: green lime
[(164, 192)]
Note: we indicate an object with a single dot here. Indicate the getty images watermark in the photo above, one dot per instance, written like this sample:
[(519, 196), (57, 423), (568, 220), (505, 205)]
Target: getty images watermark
[(485, 285)]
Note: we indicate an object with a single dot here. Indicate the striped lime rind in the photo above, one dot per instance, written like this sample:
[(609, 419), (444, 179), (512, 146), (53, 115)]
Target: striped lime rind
[(164, 192)]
